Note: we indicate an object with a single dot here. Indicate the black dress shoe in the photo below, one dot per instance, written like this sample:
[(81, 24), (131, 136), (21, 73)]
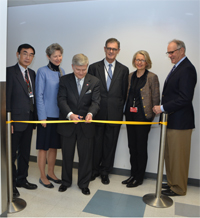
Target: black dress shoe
[(133, 184), (94, 175), (27, 185), (105, 180), (46, 185), (165, 186), (58, 181), (129, 180), (169, 192), (15, 192), (62, 188), (85, 191)]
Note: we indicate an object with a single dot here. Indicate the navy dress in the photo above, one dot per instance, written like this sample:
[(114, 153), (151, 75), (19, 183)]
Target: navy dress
[(47, 84)]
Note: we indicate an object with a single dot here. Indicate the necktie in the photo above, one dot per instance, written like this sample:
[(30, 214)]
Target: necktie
[(79, 86), (109, 78), (29, 90), (26, 76), (171, 72)]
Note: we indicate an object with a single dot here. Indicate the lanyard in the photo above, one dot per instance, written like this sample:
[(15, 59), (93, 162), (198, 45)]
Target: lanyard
[(107, 72), (23, 74), (29, 84)]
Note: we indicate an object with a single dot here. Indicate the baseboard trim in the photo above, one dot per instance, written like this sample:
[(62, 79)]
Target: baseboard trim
[(4, 214), (125, 172)]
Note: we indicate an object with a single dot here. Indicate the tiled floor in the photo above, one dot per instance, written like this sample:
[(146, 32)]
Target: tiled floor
[(113, 200)]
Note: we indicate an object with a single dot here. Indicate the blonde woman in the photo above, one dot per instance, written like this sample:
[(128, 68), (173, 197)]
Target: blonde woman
[(143, 93), (48, 140)]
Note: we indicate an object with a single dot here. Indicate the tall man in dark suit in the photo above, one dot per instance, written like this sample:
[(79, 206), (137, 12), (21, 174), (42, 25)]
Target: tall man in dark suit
[(177, 98), (78, 98), (20, 90), (113, 87)]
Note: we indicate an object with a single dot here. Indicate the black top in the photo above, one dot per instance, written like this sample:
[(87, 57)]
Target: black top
[(134, 97), (53, 67)]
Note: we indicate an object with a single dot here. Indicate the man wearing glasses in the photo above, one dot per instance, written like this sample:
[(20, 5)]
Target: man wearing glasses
[(113, 87), (177, 98), (20, 101)]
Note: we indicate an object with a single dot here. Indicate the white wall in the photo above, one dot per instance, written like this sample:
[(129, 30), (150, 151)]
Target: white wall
[(3, 39), (3, 35), (83, 27)]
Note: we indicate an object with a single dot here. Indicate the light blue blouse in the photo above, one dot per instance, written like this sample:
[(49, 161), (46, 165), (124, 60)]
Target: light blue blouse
[(46, 90)]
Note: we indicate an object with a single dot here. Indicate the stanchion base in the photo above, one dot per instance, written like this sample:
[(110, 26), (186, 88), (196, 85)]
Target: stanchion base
[(16, 205), (162, 202)]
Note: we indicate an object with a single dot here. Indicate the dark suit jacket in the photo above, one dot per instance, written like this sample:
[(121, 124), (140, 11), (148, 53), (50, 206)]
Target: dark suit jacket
[(70, 101), (17, 98), (177, 96), (112, 101)]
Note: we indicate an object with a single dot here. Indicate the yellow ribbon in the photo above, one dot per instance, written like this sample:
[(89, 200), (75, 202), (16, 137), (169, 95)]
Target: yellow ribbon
[(92, 121)]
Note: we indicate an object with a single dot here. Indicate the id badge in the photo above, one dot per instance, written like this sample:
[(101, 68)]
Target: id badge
[(31, 95), (133, 109)]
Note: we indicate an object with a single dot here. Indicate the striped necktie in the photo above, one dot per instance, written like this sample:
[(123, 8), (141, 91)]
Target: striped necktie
[(170, 72), (79, 86), (109, 78)]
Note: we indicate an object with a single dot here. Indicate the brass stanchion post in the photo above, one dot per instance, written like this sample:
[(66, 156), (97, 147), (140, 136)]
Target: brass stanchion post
[(14, 204), (158, 200)]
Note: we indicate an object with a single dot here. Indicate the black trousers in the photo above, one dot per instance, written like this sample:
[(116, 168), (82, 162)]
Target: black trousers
[(21, 144), (105, 144), (85, 148), (137, 143)]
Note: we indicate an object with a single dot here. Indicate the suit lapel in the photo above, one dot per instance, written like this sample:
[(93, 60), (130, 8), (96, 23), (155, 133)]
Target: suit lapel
[(74, 86), (177, 69), (20, 78), (101, 71), (32, 80), (85, 87), (174, 72), (115, 74)]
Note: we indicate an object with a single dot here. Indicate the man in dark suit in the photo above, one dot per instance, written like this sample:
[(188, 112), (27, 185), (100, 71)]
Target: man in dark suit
[(113, 87), (78, 98), (177, 98), (20, 90)]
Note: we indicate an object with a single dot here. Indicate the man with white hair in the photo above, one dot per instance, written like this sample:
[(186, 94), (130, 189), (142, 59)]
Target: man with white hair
[(177, 98)]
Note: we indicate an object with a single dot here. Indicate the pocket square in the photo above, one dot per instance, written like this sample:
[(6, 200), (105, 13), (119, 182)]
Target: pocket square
[(89, 91)]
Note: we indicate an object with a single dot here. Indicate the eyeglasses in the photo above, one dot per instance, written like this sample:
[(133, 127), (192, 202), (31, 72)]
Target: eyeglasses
[(172, 52), (139, 60), (28, 55), (110, 49)]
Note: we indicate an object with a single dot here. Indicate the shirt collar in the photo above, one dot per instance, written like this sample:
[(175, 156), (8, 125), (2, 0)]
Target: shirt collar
[(107, 64), (180, 61), (81, 80), (22, 68)]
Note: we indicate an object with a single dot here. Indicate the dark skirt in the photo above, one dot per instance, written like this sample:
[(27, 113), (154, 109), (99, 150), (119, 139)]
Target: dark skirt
[(48, 137)]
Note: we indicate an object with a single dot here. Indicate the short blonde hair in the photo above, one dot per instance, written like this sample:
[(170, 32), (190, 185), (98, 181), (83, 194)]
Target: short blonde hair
[(146, 56)]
